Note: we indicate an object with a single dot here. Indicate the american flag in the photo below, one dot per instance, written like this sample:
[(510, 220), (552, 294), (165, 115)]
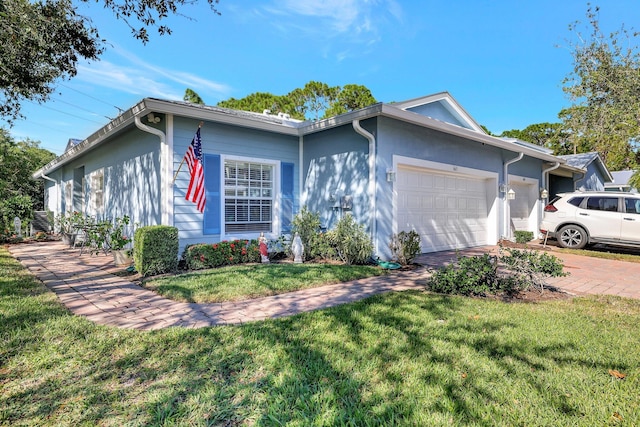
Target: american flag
[(193, 157)]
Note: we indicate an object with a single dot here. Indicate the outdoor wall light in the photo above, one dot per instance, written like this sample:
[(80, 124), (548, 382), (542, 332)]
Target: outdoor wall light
[(544, 194), (391, 175), (151, 118), (511, 195)]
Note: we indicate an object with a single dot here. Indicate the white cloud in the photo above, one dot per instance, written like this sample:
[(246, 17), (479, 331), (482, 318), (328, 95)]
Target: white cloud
[(139, 77)]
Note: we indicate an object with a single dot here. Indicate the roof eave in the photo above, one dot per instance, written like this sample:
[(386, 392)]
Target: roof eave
[(420, 120)]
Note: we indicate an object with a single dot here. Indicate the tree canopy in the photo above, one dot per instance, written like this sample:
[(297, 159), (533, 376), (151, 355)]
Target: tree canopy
[(191, 96), (42, 41), (549, 135), (314, 101), (604, 87), (19, 193)]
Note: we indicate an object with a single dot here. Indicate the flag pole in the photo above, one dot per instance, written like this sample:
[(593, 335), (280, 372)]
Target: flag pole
[(181, 163)]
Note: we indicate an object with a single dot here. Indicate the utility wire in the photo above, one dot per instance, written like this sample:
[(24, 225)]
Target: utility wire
[(72, 115), (93, 97), (81, 108)]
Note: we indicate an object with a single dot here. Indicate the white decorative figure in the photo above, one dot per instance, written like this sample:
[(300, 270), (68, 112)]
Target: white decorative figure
[(297, 248), (262, 245), (18, 226)]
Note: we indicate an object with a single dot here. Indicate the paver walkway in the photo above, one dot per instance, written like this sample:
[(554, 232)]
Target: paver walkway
[(587, 275), (86, 284)]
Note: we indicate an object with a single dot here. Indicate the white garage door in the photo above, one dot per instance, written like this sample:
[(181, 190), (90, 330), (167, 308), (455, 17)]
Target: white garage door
[(522, 207), (448, 211)]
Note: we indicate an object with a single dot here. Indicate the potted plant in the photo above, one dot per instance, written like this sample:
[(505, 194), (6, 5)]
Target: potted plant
[(120, 241), (67, 225)]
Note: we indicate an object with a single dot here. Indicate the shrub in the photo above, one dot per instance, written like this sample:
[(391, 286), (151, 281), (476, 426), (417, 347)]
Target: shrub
[(307, 225), (351, 241), (474, 275), (478, 275), (523, 236), (405, 246), (321, 247), (155, 249), (203, 255), (530, 268)]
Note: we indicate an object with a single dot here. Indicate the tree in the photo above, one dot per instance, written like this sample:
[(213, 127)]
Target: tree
[(191, 96), (20, 194), (351, 97), (314, 101), (604, 86), (42, 41), (549, 135)]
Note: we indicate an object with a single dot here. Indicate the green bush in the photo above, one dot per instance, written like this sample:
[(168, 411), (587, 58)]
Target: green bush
[(307, 225), (476, 275), (203, 255), (405, 246), (530, 268), (523, 236), (155, 249), (479, 275), (351, 241)]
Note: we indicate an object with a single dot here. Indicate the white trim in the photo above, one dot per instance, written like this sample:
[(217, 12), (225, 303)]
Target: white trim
[(275, 220), (491, 189), (534, 188), (166, 167)]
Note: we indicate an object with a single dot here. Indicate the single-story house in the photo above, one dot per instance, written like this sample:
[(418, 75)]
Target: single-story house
[(621, 182), (423, 164)]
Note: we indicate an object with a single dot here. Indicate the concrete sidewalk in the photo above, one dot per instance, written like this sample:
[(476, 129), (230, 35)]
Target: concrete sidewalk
[(86, 284)]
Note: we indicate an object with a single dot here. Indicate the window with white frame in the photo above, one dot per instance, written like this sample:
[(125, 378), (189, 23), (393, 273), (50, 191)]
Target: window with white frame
[(248, 196), (97, 191)]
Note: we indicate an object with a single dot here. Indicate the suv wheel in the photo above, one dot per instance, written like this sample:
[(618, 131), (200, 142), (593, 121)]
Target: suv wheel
[(572, 236)]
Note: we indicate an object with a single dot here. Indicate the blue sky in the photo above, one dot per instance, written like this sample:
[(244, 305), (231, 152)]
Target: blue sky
[(503, 61)]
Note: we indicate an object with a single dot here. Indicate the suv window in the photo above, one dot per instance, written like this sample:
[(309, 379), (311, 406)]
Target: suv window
[(609, 204), (575, 201), (632, 206)]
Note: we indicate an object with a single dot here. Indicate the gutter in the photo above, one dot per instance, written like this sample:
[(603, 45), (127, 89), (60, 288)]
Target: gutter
[(545, 174), (372, 178), (56, 186), (505, 182), (164, 167)]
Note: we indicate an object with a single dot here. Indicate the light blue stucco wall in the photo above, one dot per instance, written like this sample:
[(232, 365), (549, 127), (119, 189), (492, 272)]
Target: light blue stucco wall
[(437, 110), (408, 140), (131, 165), (593, 180), (336, 165), (224, 140)]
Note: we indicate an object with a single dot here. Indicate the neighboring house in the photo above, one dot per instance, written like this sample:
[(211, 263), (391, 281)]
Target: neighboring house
[(621, 182), (589, 174), (423, 164)]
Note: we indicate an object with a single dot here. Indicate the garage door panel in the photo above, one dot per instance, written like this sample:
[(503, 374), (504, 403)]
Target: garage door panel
[(447, 211)]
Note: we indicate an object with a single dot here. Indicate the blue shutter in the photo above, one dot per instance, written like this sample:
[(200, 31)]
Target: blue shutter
[(286, 184), (211, 222)]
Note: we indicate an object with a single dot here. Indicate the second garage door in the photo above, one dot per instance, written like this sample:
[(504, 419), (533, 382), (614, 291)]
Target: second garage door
[(448, 211)]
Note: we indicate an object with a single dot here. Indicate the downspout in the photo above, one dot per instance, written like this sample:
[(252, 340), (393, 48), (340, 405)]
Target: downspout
[(164, 167), (372, 179), (545, 174), (505, 182), (57, 187)]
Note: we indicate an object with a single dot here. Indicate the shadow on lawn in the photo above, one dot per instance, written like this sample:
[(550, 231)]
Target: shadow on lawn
[(394, 359)]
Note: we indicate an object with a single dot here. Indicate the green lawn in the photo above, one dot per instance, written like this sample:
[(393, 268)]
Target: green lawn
[(239, 282), (408, 358)]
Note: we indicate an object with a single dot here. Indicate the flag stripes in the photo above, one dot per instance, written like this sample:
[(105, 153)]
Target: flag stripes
[(193, 158)]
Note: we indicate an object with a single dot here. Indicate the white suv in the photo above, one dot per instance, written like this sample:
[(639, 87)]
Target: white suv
[(581, 218)]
